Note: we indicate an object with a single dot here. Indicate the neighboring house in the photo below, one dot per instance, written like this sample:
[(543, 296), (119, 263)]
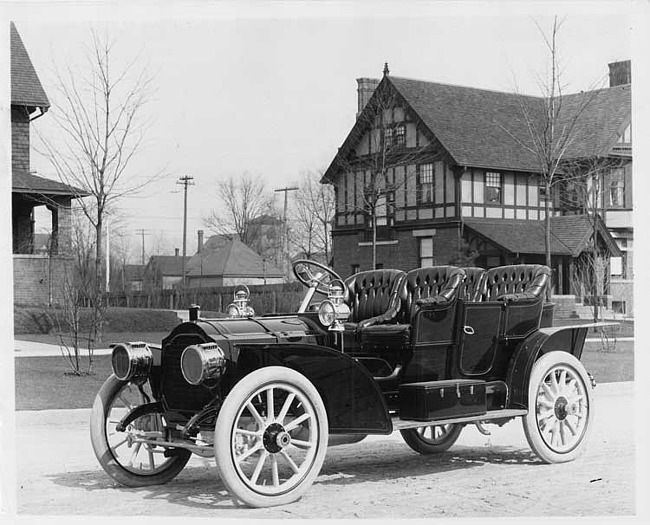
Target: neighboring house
[(472, 184), (38, 273), (226, 261), (164, 271), (133, 277)]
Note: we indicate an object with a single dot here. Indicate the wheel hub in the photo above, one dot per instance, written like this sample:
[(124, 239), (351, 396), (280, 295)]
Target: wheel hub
[(561, 408), (275, 438)]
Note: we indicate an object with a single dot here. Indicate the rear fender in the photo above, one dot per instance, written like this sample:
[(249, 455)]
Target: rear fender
[(353, 400), (569, 339)]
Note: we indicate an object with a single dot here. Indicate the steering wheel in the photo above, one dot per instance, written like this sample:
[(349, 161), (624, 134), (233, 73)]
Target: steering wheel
[(314, 275)]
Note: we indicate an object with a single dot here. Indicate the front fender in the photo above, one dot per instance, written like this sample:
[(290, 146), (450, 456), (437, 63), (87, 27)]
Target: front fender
[(569, 339), (353, 400)]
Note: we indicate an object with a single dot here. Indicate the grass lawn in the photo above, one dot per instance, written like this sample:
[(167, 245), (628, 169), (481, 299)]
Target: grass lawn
[(42, 383)]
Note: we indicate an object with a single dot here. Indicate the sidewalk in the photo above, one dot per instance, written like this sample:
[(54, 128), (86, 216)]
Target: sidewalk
[(33, 349)]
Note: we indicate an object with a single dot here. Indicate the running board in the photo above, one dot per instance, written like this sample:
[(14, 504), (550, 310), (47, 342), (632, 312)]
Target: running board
[(400, 424)]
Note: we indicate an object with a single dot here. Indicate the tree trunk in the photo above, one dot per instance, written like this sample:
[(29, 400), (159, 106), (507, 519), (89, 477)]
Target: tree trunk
[(547, 234)]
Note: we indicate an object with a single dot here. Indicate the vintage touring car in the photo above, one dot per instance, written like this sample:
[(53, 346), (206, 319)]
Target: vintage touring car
[(425, 352)]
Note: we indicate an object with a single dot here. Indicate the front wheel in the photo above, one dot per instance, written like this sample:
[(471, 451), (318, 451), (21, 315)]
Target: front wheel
[(432, 439), (120, 454), (560, 407), (271, 437)]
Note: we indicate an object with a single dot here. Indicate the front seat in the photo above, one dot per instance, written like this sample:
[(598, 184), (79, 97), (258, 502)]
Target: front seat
[(373, 298)]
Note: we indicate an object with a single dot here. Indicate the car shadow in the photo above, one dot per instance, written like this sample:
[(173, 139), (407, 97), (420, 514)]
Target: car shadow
[(199, 485), (195, 486), (394, 461)]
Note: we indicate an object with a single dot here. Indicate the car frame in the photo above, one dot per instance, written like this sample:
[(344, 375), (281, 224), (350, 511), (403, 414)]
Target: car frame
[(425, 352)]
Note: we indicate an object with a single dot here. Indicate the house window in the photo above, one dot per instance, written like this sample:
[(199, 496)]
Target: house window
[(425, 183), (426, 252), (400, 135), (493, 187), (617, 189), (395, 136)]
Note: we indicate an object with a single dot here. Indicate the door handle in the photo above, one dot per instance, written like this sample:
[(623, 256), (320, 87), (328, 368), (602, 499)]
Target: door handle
[(468, 330)]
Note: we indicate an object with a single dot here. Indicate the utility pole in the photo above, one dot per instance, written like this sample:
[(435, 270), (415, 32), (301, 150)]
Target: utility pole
[(185, 182), (285, 247), (142, 232)]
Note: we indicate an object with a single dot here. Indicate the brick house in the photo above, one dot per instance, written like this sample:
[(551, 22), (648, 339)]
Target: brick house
[(37, 272), (456, 179)]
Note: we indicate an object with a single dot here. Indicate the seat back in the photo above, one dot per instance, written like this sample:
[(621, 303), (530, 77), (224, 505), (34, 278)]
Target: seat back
[(530, 279), (374, 293), (470, 287), (423, 283)]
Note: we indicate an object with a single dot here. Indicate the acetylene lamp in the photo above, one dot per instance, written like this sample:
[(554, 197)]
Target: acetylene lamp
[(333, 312), (240, 307)]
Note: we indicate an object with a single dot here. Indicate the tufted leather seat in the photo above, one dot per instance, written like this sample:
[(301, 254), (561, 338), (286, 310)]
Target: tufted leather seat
[(424, 287), (373, 297), (514, 283), (470, 287)]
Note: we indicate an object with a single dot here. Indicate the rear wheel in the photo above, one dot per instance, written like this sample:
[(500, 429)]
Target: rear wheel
[(271, 437), (124, 459), (432, 439), (560, 407)]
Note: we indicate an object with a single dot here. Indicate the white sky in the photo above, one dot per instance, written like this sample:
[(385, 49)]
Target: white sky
[(270, 89)]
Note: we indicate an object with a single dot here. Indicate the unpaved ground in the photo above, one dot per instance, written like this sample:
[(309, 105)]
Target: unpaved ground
[(380, 477)]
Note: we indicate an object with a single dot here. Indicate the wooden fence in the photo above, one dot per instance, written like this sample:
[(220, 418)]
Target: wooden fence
[(265, 299)]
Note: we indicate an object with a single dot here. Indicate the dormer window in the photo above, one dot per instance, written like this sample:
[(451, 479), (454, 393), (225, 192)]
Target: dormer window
[(626, 136)]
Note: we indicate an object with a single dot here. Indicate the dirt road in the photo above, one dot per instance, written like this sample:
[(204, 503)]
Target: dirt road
[(380, 477)]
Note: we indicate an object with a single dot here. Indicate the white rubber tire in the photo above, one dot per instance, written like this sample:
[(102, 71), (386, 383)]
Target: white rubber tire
[(229, 437), (560, 408)]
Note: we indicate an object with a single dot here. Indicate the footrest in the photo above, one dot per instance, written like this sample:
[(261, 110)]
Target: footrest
[(431, 400)]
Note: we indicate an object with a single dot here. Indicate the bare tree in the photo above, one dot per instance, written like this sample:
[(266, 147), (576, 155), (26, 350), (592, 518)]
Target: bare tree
[(551, 125), (584, 190), (386, 149), (100, 126), (241, 200), (313, 212)]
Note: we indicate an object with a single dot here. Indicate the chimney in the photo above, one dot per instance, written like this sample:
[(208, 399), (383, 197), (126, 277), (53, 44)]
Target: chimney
[(175, 252), (200, 246), (365, 88), (620, 73)]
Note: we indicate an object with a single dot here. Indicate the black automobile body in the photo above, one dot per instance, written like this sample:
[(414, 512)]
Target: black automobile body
[(425, 352)]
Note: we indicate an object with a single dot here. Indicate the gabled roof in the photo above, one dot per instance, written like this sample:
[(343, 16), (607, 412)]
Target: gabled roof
[(134, 272), (224, 256), (570, 234), (26, 88), (169, 265), (487, 129), (23, 182)]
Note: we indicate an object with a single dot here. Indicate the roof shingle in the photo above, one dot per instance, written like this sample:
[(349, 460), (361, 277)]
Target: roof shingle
[(26, 88)]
